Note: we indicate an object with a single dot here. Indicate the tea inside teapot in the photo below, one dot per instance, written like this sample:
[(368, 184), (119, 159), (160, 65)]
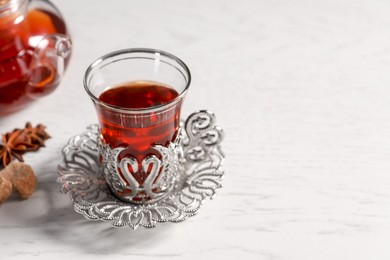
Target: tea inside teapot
[(34, 51)]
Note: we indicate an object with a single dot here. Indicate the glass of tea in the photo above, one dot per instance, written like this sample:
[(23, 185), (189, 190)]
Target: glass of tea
[(138, 95)]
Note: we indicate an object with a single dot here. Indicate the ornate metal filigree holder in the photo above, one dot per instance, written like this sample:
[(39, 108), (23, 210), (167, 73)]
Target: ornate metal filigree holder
[(199, 174), (159, 181)]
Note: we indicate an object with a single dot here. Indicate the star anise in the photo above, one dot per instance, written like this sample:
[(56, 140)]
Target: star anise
[(38, 136), (20, 141)]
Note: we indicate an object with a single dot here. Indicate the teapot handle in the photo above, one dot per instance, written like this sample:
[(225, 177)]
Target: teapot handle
[(48, 64)]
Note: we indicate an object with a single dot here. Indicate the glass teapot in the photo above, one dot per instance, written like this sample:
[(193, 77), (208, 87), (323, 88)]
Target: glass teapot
[(35, 48)]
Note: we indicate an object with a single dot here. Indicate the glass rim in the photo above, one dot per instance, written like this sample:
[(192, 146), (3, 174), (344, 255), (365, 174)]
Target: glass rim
[(117, 53)]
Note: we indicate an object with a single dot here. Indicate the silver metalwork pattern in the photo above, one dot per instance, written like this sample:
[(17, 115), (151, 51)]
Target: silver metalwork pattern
[(199, 176), (202, 135), (161, 173)]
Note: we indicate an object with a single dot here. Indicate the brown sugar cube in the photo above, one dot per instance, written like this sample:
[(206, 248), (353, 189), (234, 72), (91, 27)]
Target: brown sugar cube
[(22, 177), (5, 189)]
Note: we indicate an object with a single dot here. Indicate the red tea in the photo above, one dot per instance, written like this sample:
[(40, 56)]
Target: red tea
[(138, 131), (17, 43)]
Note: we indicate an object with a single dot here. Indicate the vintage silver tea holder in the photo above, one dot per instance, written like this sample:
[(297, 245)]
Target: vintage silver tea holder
[(199, 174)]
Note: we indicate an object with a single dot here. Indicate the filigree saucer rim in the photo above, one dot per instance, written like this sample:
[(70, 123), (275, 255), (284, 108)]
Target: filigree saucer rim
[(83, 182)]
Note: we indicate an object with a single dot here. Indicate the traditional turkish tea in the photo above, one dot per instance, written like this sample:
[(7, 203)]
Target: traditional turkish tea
[(138, 133), (138, 95)]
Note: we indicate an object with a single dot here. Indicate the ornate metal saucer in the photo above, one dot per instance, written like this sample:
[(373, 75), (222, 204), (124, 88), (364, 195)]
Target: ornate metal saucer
[(200, 175)]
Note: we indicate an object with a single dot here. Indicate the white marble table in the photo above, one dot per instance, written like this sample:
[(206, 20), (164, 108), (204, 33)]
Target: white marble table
[(302, 90)]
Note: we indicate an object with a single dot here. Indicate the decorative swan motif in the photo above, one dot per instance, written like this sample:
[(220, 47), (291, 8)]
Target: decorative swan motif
[(120, 172)]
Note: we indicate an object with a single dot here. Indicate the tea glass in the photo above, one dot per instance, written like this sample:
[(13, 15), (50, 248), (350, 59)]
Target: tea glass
[(139, 148)]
